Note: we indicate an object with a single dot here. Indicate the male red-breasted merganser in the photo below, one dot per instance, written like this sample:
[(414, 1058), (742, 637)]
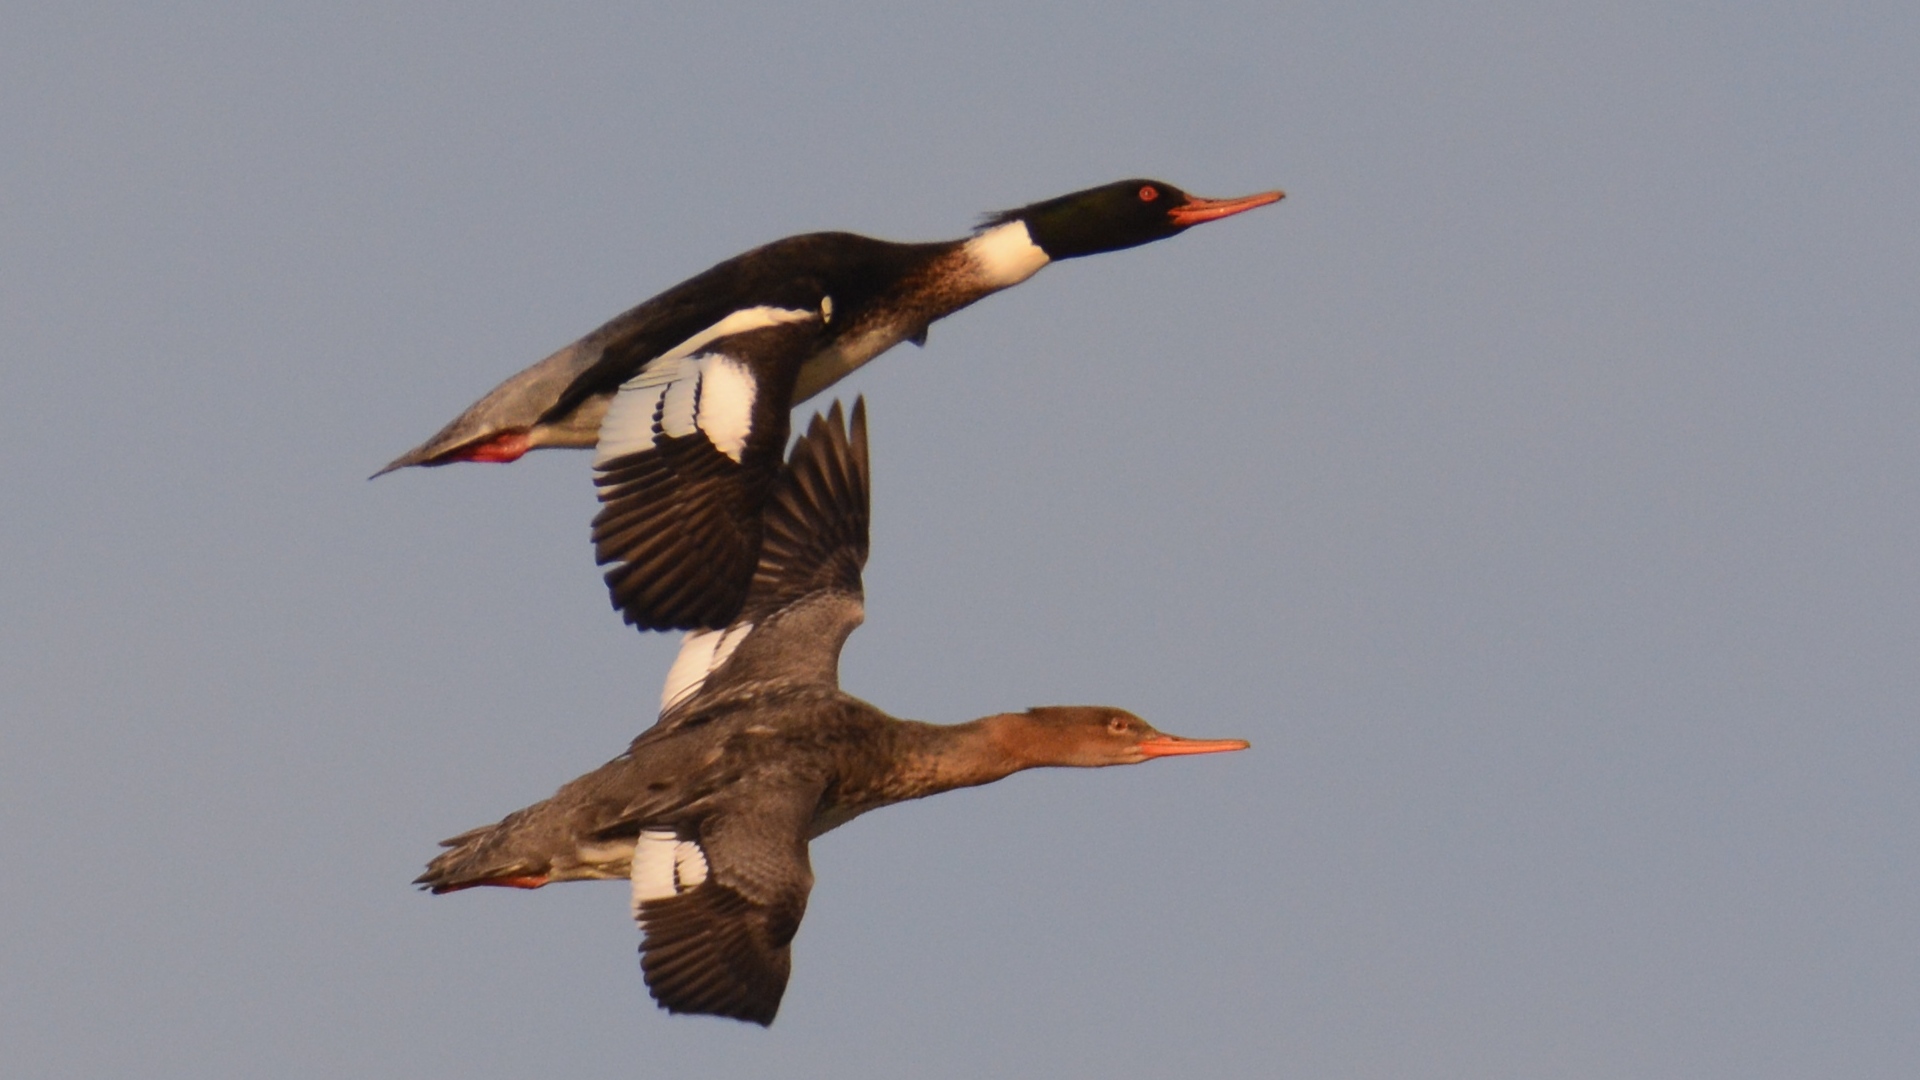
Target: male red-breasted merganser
[(757, 751), (687, 398), (884, 293)]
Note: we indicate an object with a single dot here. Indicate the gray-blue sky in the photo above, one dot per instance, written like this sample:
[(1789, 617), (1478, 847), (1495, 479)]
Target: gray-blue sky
[(1536, 488)]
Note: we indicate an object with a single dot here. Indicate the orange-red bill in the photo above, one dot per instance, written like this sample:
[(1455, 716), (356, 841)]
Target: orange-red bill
[(1197, 210), (1170, 745)]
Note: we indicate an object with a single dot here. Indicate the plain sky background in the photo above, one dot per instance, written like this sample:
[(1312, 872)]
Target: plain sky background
[(1537, 487)]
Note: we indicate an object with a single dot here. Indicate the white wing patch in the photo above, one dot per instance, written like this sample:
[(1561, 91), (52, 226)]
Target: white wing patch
[(628, 426), (689, 865), (664, 865), (1006, 254), (726, 403), (739, 322), (690, 390), (701, 654)]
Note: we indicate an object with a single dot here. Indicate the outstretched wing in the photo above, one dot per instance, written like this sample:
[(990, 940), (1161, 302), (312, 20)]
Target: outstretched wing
[(806, 594), (720, 906), (818, 519), (688, 453)]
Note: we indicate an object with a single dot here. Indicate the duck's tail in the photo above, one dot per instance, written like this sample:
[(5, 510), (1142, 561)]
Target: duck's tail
[(525, 850)]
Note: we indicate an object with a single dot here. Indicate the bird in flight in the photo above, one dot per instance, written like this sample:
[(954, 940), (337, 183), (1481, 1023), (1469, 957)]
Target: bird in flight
[(757, 750), (686, 399)]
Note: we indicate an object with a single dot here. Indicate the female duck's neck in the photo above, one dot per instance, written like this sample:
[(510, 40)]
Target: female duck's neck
[(948, 756)]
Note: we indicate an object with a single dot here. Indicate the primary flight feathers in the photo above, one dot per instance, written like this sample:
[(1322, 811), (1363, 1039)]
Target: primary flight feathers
[(688, 453)]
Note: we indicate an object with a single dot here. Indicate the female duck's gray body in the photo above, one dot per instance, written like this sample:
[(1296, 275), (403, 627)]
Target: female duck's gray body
[(758, 750)]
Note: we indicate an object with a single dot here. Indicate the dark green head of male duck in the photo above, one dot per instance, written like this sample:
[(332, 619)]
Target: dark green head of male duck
[(1123, 214)]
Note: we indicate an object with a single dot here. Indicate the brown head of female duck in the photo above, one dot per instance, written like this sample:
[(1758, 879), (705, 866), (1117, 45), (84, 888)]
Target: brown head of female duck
[(911, 760), (757, 751)]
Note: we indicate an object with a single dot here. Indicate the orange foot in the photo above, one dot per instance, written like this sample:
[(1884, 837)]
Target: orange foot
[(517, 882), (523, 882), (506, 446)]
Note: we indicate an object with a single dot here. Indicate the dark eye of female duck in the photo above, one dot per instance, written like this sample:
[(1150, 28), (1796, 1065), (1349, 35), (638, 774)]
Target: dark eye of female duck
[(1118, 725)]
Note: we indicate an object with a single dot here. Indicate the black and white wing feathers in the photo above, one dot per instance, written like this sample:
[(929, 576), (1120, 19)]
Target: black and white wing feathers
[(720, 906), (688, 453), (806, 595), (817, 523)]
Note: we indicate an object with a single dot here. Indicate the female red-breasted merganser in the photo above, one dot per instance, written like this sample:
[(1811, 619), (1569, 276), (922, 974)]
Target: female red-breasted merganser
[(884, 293), (757, 751)]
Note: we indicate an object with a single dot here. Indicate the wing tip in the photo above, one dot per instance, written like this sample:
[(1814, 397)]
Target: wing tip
[(702, 954)]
